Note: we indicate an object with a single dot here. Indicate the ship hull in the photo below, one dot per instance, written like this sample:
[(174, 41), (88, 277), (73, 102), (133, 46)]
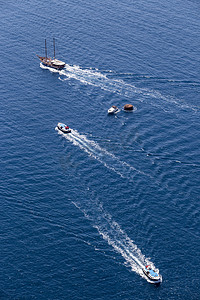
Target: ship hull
[(48, 62)]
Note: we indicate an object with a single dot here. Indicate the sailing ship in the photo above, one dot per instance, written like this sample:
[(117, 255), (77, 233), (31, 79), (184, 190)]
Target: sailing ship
[(49, 62)]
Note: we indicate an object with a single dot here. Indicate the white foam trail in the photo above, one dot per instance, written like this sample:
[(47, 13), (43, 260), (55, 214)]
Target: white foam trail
[(108, 159), (48, 68), (118, 86), (93, 209), (116, 237)]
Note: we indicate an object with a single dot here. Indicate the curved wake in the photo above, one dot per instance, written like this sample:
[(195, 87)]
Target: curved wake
[(108, 159)]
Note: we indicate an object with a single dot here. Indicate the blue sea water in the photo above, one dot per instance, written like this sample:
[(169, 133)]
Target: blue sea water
[(82, 213)]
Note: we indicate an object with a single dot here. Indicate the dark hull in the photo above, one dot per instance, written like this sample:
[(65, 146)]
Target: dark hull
[(48, 63), (128, 107), (53, 66)]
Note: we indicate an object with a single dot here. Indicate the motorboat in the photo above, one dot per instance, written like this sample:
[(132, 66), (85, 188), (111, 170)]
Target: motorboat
[(64, 128), (113, 110), (152, 274)]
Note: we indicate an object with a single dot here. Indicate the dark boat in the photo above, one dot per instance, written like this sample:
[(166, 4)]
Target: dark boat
[(49, 62), (128, 107), (152, 274), (64, 128)]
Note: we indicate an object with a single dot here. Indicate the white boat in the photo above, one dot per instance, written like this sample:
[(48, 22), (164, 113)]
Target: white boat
[(64, 128), (113, 110), (152, 274)]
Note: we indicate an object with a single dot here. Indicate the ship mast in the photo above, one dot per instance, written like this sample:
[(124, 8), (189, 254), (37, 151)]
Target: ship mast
[(54, 48), (46, 48)]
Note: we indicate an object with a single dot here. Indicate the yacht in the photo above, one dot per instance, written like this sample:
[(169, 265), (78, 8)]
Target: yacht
[(51, 62)]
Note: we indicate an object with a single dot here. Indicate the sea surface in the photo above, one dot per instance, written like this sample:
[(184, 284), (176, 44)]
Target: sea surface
[(81, 214)]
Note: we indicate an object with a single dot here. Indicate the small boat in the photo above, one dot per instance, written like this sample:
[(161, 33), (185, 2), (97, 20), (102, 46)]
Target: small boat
[(49, 62), (128, 107), (113, 110), (152, 274), (64, 128)]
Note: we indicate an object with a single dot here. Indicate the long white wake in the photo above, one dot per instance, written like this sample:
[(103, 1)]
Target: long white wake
[(112, 233), (118, 86), (96, 78), (93, 210), (108, 159)]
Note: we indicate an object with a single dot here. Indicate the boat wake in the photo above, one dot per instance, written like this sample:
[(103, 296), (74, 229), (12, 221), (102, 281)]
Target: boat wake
[(93, 209), (112, 233), (118, 86), (108, 159)]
